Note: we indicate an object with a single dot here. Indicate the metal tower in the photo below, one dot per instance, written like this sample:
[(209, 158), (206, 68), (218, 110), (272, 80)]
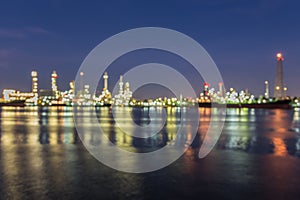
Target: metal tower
[(54, 84), (221, 89), (105, 96), (34, 80), (81, 86), (105, 77), (121, 85), (267, 95), (53, 81), (279, 89)]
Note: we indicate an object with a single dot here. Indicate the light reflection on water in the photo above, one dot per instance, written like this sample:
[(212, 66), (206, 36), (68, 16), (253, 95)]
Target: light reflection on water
[(249, 130), (262, 131), (41, 156)]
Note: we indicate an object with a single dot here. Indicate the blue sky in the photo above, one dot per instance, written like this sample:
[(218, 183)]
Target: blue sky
[(242, 37)]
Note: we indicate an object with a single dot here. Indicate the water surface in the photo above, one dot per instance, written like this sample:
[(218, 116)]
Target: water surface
[(257, 156)]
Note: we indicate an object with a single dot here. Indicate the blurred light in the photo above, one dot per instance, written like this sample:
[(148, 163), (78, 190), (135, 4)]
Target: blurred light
[(279, 56)]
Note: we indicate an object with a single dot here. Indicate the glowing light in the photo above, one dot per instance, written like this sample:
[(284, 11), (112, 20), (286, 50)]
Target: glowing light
[(33, 73), (277, 88), (54, 74), (279, 147), (7, 93), (279, 56), (34, 80)]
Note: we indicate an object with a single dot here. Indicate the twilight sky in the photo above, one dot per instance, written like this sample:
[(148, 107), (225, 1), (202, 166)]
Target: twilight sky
[(242, 37)]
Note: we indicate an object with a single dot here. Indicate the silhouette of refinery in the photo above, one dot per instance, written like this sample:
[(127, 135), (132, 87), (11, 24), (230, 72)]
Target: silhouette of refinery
[(124, 97)]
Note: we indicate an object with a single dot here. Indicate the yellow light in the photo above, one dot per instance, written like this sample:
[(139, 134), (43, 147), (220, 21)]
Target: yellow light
[(279, 55), (33, 73), (285, 88), (277, 87)]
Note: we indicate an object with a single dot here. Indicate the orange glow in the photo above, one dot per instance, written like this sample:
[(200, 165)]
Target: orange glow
[(279, 147)]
